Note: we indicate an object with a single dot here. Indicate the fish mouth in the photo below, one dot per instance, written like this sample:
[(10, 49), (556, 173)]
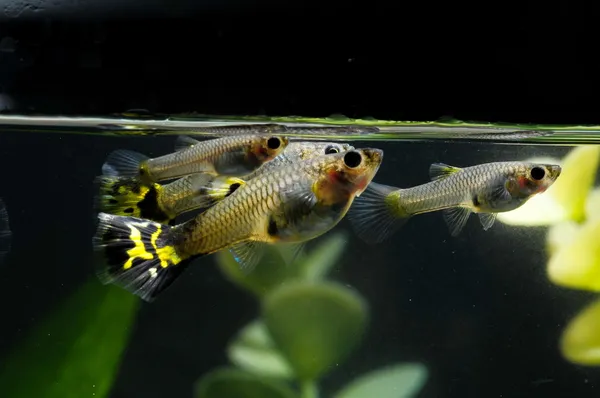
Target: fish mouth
[(555, 171), (374, 158)]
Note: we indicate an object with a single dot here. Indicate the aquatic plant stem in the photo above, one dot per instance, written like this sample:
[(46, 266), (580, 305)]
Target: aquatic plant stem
[(309, 389)]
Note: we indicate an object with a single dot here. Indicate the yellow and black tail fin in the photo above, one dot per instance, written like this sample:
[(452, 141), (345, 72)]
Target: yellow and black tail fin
[(127, 196), (137, 255)]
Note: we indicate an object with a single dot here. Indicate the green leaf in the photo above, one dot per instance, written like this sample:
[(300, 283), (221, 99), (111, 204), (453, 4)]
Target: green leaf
[(76, 350), (317, 264), (579, 170), (270, 272), (315, 325), (580, 342), (233, 383), (254, 351), (397, 381)]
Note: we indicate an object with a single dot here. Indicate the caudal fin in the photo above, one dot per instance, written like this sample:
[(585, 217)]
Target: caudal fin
[(375, 214), (127, 196), (138, 255), (123, 162), (5, 232)]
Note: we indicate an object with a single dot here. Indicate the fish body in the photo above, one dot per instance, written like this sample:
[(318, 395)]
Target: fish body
[(128, 196), (485, 189), (292, 204), (233, 155)]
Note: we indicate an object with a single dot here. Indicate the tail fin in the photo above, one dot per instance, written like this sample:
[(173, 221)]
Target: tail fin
[(123, 162), (5, 232), (375, 214), (139, 255), (127, 196)]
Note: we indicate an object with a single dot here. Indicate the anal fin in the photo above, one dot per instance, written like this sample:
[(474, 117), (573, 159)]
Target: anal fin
[(248, 254), (487, 220), (456, 218), (290, 252)]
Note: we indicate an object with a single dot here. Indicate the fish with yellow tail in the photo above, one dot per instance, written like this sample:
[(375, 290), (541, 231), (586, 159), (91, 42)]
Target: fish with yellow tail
[(233, 156), (289, 205), (485, 189), (127, 196)]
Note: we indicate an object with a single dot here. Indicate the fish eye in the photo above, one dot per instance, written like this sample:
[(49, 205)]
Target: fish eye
[(331, 149), (537, 173), (352, 159), (273, 143)]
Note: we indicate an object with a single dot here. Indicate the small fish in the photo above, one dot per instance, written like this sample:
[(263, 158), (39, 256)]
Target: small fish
[(235, 155), (5, 232), (485, 189), (127, 196), (289, 205), (299, 151)]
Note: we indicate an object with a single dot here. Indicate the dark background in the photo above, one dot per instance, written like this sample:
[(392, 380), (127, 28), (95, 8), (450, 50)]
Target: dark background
[(478, 310)]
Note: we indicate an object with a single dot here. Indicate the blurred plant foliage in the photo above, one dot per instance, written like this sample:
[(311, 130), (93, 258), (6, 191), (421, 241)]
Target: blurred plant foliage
[(307, 327), (76, 350), (571, 208)]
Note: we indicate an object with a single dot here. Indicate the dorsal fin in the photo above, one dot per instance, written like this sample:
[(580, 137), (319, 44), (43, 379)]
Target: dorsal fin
[(184, 142), (441, 170)]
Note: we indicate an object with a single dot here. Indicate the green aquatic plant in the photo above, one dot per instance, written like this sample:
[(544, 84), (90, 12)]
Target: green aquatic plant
[(75, 351), (307, 327), (571, 208)]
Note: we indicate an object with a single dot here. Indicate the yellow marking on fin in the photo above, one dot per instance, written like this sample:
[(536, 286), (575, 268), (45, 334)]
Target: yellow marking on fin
[(221, 187), (167, 254), (139, 251)]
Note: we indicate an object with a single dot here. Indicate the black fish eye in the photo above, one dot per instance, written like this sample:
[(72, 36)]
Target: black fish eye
[(331, 149), (352, 159), (273, 143), (537, 173)]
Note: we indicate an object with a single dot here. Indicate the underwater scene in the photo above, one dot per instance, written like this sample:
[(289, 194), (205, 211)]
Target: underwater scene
[(208, 257)]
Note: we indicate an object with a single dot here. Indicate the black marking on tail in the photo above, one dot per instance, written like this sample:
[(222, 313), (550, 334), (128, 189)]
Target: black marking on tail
[(137, 255), (150, 209)]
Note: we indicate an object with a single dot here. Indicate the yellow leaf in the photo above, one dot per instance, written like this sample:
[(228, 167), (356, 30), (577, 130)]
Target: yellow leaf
[(571, 189), (592, 205), (580, 342), (577, 264), (560, 235)]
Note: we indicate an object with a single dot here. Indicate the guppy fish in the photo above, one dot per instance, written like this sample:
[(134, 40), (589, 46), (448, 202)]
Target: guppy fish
[(485, 189), (5, 232), (127, 196), (235, 155), (291, 204)]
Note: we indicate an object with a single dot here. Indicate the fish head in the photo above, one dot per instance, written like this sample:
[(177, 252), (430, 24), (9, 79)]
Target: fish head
[(348, 174), (305, 150), (532, 178), (269, 147)]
